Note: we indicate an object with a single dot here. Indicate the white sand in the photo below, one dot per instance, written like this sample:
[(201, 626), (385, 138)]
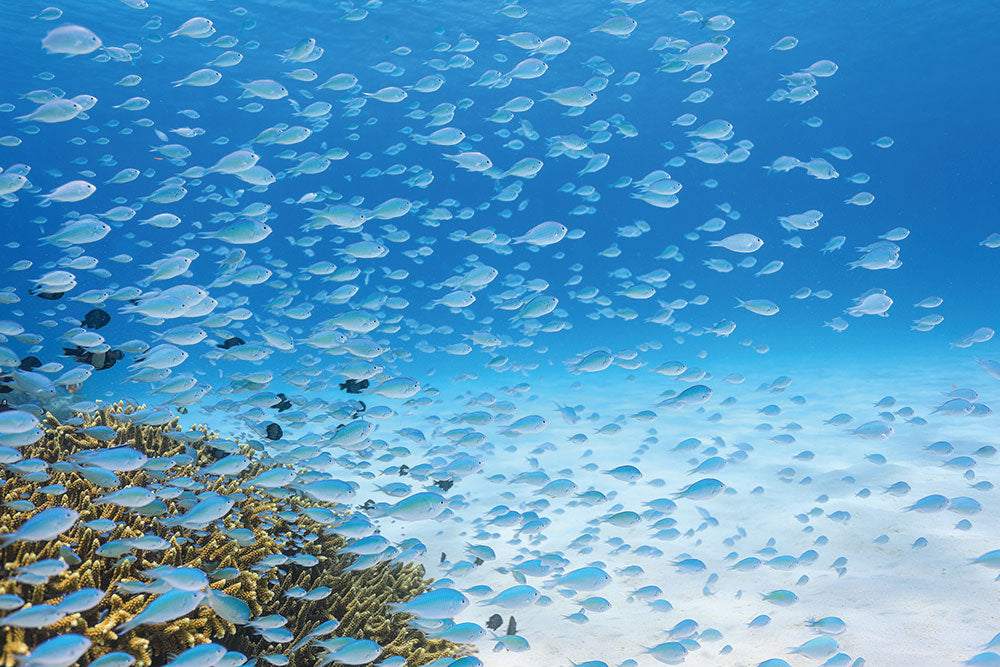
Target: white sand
[(902, 606)]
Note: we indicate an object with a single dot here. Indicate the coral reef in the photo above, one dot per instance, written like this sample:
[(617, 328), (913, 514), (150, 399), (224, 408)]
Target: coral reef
[(358, 599)]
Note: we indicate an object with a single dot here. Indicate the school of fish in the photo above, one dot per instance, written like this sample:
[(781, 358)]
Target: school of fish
[(340, 262)]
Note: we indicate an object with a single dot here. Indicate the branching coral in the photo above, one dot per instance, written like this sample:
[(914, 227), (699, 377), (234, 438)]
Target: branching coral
[(357, 599)]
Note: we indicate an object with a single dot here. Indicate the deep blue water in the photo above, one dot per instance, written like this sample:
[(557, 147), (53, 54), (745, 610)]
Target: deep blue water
[(909, 73)]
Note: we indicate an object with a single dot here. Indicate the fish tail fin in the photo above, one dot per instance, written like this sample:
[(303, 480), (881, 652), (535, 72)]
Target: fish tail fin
[(125, 627)]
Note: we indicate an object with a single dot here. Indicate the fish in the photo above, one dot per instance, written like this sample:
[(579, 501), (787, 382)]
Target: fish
[(35, 616), (354, 386), (231, 343), (95, 319), (528, 268), (43, 526), (61, 650), (166, 607), (435, 604)]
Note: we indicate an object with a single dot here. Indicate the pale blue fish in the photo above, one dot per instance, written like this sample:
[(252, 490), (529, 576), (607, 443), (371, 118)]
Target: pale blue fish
[(164, 608), (433, 604), (59, 651), (42, 527)]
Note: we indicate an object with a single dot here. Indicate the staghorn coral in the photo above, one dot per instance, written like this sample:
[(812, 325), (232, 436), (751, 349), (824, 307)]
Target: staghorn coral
[(358, 599)]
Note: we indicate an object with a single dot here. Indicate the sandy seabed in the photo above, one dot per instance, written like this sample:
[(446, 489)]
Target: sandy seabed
[(902, 605)]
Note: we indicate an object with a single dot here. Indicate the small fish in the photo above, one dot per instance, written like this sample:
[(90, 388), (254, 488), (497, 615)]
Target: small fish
[(164, 608), (42, 527), (81, 600), (434, 604), (445, 484), (95, 319), (36, 616), (514, 597), (231, 343), (10, 601), (354, 386), (59, 651)]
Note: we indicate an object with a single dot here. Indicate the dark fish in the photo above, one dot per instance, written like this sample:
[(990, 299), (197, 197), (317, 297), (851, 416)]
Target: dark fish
[(479, 561), (274, 432), (403, 469), (354, 386), (444, 557), (95, 319), (29, 363), (5, 406), (444, 484), (369, 504), (106, 360), (99, 360), (512, 627), (51, 296), (182, 410), (283, 404), (231, 342), (494, 622), (358, 411)]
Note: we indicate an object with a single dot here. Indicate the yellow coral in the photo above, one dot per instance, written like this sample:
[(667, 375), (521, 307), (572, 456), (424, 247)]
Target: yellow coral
[(358, 599)]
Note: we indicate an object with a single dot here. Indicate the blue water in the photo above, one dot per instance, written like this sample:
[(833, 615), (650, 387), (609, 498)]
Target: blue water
[(920, 73)]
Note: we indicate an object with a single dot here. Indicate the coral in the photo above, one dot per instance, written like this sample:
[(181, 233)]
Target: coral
[(358, 599)]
